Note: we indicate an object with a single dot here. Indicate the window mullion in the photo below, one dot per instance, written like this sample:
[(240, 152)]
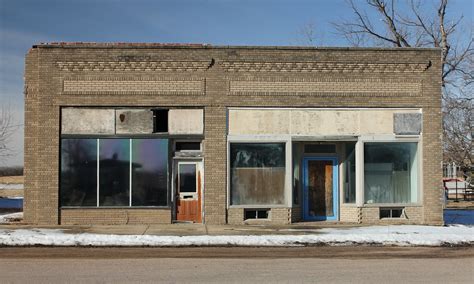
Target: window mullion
[(98, 182), (130, 175)]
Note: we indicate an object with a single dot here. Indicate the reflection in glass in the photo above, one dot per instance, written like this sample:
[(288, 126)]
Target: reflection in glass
[(78, 183), (114, 172), (390, 172), (257, 173), (187, 178), (349, 174), (149, 172)]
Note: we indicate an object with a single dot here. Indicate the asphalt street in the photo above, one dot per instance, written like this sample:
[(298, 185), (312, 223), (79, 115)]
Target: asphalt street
[(237, 265)]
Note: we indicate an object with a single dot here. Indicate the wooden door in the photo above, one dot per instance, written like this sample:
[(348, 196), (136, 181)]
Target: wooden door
[(320, 189), (188, 192)]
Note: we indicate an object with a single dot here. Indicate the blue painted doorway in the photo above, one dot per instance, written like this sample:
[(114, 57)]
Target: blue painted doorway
[(320, 188)]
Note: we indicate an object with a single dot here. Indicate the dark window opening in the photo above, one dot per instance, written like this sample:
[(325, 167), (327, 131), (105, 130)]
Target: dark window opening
[(391, 212), (160, 120), (256, 214), (188, 146)]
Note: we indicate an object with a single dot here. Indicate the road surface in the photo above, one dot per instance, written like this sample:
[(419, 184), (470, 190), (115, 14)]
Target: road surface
[(237, 265)]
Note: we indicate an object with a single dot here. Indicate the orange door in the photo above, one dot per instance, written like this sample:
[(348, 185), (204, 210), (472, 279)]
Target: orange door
[(188, 198)]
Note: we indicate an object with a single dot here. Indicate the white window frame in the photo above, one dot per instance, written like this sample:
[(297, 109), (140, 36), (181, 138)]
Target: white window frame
[(360, 168), (264, 139), (196, 167)]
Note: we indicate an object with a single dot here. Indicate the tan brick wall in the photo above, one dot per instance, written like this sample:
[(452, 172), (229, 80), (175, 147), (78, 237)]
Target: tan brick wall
[(130, 87), (48, 66), (278, 216), (333, 86), (296, 214), (114, 216), (350, 214), (371, 215)]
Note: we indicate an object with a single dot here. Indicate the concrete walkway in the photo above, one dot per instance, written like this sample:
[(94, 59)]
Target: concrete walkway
[(184, 229)]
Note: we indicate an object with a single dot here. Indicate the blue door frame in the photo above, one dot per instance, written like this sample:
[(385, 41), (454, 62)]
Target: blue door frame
[(335, 189)]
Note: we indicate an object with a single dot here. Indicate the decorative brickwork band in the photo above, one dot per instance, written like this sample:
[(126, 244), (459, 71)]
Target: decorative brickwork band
[(373, 88), (131, 87), (133, 65), (240, 66)]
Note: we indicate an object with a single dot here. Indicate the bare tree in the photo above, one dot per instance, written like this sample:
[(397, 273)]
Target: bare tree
[(458, 128), (422, 25), (7, 129), (419, 27)]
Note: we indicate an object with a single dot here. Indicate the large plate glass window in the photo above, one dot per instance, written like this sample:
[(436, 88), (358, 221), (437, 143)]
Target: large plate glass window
[(114, 172), (149, 172), (78, 181), (120, 172), (257, 173), (390, 172)]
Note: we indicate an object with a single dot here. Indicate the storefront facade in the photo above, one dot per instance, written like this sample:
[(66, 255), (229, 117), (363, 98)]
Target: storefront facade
[(151, 133)]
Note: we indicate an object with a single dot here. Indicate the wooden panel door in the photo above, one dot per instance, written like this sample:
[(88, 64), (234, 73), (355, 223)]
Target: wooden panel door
[(320, 189), (188, 189)]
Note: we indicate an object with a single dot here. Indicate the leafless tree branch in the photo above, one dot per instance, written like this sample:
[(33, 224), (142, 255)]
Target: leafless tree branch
[(7, 129)]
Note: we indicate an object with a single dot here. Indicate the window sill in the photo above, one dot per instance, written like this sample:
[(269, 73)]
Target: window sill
[(257, 206), (376, 205), (114, 207)]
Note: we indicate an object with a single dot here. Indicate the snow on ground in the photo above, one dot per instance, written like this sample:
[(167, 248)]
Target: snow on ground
[(11, 186), (9, 218), (375, 235)]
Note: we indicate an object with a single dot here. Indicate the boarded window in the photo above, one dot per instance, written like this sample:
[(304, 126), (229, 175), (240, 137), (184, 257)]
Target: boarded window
[(257, 173)]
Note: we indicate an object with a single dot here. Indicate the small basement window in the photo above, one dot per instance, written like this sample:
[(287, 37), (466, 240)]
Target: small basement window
[(391, 212), (160, 120), (188, 146), (256, 214)]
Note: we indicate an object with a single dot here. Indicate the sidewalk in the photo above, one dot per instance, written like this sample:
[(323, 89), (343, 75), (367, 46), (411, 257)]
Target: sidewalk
[(175, 235)]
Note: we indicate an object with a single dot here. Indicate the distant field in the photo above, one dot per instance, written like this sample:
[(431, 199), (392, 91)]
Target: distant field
[(12, 179)]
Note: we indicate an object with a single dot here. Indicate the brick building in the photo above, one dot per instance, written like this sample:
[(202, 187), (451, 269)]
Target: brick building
[(155, 133)]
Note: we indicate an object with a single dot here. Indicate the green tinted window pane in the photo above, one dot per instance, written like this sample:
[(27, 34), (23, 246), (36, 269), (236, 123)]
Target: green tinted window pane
[(78, 182), (114, 172)]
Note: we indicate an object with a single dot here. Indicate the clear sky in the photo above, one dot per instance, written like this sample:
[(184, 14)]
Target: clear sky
[(219, 22)]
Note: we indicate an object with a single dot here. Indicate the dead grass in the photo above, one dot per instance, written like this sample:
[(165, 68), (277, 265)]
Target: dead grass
[(11, 179)]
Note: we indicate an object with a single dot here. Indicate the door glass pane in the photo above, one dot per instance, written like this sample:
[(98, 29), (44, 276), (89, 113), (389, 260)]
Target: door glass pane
[(114, 172), (149, 172), (78, 184), (187, 178), (320, 188)]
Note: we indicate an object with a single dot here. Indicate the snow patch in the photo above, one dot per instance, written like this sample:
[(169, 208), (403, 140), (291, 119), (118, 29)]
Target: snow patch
[(12, 217), (11, 186), (376, 235)]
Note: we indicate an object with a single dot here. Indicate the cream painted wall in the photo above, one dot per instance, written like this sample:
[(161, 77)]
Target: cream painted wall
[(315, 122), (186, 121)]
